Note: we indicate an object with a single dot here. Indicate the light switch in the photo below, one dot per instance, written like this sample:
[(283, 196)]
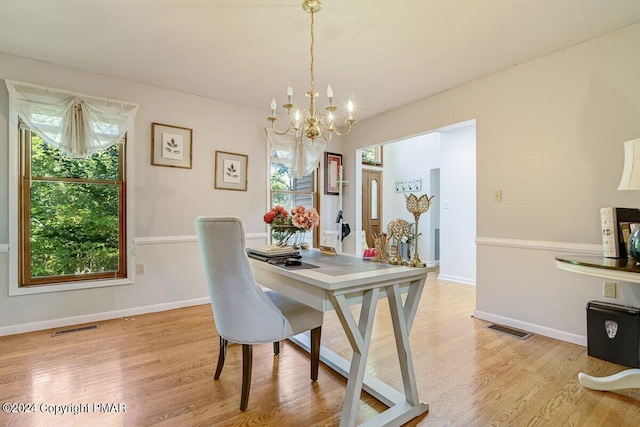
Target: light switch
[(497, 195)]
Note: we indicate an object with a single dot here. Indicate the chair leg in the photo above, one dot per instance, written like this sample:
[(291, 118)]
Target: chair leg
[(222, 354), (247, 356), (315, 352), (276, 348)]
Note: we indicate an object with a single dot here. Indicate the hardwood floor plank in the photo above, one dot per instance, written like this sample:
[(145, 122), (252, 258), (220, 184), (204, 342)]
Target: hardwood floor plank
[(161, 365)]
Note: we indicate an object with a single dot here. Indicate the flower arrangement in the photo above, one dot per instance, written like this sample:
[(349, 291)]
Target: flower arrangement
[(284, 226), (304, 218)]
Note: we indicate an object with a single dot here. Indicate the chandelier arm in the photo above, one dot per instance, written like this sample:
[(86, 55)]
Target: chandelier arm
[(324, 136), (320, 118), (344, 133), (329, 127), (277, 132)]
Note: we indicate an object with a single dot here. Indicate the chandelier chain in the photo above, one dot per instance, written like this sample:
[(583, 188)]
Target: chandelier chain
[(312, 53)]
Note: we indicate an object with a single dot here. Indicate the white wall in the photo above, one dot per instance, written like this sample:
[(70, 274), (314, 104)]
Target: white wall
[(458, 204), (410, 159), (166, 200), (453, 152), (549, 135)]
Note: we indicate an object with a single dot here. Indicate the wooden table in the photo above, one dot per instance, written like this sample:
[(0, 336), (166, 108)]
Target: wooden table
[(338, 282), (625, 270)]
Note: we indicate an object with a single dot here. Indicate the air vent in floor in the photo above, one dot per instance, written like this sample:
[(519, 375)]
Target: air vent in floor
[(516, 333), (68, 331)]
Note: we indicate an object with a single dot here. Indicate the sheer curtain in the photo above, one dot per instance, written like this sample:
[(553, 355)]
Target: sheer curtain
[(78, 125), (300, 156)]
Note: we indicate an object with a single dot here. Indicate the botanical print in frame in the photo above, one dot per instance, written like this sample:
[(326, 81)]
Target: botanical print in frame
[(332, 169), (231, 171), (171, 146)]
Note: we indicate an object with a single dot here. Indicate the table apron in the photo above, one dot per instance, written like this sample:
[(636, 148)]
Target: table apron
[(317, 297)]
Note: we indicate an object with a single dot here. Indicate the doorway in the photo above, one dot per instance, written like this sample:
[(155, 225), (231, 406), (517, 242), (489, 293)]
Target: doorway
[(440, 162), (371, 204)]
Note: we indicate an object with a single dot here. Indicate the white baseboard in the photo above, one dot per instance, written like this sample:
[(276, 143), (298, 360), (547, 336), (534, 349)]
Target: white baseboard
[(463, 280), (530, 327), (97, 317)]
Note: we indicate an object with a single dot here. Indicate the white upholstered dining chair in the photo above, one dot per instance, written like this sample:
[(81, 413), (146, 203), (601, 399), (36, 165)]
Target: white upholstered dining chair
[(243, 312)]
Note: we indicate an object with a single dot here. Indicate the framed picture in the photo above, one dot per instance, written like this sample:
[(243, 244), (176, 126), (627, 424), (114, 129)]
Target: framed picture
[(231, 171), (332, 169), (171, 146), (372, 156)]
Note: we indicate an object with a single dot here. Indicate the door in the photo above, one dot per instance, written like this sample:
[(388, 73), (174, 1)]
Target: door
[(371, 204)]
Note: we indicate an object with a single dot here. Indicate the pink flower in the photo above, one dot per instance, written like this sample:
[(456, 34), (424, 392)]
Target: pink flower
[(304, 218)]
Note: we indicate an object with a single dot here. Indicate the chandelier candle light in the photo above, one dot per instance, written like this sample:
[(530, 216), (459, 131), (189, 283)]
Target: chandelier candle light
[(311, 123)]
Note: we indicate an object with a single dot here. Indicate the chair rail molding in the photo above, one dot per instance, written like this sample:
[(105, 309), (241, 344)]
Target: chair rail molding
[(159, 240), (4, 247), (582, 248)]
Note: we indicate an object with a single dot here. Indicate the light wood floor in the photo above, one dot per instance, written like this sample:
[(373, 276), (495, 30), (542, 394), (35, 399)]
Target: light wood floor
[(161, 367)]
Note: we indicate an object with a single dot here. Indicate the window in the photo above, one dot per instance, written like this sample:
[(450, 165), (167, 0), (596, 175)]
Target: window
[(372, 156), (291, 192), (72, 221)]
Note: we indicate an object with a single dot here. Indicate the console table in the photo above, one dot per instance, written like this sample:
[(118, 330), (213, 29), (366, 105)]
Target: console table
[(625, 270)]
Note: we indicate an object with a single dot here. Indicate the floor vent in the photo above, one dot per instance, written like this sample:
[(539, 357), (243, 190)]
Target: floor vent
[(509, 331), (68, 331)]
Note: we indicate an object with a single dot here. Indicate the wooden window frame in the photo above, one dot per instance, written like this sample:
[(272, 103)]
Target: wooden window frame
[(24, 213)]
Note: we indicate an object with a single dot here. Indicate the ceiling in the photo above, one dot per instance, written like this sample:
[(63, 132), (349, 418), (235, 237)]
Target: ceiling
[(383, 53)]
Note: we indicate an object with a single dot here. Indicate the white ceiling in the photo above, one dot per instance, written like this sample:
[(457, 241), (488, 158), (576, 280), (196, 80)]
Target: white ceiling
[(385, 53)]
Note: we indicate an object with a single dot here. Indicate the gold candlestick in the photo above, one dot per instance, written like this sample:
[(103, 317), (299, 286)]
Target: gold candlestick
[(417, 206)]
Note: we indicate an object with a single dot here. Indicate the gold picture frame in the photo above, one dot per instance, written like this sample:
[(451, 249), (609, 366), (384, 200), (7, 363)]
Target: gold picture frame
[(171, 146), (231, 171)]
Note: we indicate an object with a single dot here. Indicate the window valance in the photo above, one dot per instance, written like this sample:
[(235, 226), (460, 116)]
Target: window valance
[(300, 156), (78, 125)]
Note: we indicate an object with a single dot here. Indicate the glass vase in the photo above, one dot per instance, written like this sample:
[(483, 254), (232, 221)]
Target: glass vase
[(283, 235)]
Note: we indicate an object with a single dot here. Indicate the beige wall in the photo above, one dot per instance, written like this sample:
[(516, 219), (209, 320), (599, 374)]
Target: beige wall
[(166, 200), (549, 135)]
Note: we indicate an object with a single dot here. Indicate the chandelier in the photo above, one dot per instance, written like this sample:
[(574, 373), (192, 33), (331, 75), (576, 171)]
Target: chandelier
[(311, 123)]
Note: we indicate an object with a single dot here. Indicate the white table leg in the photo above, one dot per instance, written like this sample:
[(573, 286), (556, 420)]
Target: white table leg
[(402, 407), (629, 378), (401, 331), (359, 336)]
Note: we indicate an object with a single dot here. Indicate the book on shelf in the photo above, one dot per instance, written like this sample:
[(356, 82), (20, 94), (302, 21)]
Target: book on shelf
[(617, 226)]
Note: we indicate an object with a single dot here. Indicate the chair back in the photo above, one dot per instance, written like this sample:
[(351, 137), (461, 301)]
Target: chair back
[(242, 311)]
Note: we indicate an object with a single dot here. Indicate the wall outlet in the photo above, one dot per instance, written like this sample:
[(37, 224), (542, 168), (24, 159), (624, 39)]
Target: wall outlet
[(139, 269), (609, 289)]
